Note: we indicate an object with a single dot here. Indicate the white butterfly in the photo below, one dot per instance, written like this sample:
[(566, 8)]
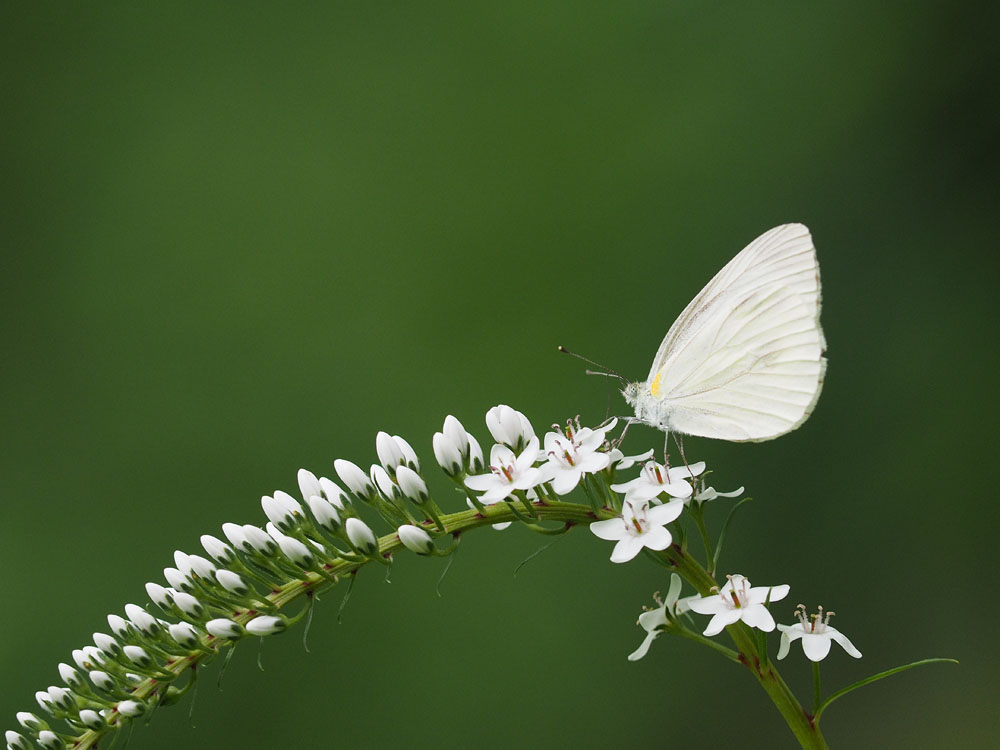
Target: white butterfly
[(744, 361)]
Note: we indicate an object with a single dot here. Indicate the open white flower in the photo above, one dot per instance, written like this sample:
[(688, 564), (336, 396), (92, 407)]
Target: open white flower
[(654, 621), (575, 453), (816, 634), (640, 525), (508, 473), (656, 479), (736, 601)]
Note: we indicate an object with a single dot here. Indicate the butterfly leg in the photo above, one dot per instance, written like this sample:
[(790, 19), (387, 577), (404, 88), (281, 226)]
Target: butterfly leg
[(679, 440)]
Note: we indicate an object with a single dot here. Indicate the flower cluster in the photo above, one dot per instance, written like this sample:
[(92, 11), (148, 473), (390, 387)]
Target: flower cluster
[(237, 587)]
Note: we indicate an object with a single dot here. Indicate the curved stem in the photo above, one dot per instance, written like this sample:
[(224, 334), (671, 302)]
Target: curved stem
[(572, 514)]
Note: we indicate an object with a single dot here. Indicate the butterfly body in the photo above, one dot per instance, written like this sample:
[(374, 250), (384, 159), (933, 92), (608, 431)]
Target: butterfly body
[(744, 360)]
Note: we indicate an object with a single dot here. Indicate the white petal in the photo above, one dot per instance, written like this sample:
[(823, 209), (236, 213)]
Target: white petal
[(612, 529), (843, 641), (816, 646), (502, 526), (626, 549), (652, 620), (657, 538), (643, 647), (664, 514), (759, 594), (757, 616), (721, 620), (674, 591), (482, 482), (565, 481), (708, 605), (682, 472), (786, 644)]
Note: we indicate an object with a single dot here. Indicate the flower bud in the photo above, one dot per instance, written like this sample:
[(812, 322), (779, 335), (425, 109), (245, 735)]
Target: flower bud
[(49, 740), (44, 701), (477, 464), (30, 722), (448, 456), (131, 709), (158, 595), (70, 676), (62, 698), (325, 513), (390, 453), (188, 604), (138, 656), (308, 484), (232, 582), (183, 634), (355, 479), (411, 484), (182, 563), (107, 644), (225, 629), (91, 719), (381, 479), (178, 580), (266, 625), (80, 659), (218, 550), (201, 567), (16, 741), (509, 426), (415, 539), (361, 536), (144, 621), (234, 533), (259, 541), (277, 513), (102, 680), (455, 432), (291, 548), (409, 455), (95, 656), (120, 626), (333, 493)]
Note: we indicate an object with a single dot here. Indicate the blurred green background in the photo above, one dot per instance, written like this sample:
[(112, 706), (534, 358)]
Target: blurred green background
[(239, 239)]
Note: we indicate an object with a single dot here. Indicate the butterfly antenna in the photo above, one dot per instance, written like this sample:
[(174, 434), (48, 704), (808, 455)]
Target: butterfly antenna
[(606, 371)]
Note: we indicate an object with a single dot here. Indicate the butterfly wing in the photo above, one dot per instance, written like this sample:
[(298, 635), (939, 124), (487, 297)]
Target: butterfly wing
[(744, 361)]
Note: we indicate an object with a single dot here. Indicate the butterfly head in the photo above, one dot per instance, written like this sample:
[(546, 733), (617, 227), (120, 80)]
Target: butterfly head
[(631, 393)]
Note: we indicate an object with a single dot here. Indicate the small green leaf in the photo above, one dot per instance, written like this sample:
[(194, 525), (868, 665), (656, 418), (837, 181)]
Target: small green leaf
[(873, 678), (722, 535)]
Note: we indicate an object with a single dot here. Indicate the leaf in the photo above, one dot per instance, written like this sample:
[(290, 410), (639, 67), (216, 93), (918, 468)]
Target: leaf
[(722, 534), (873, 678)]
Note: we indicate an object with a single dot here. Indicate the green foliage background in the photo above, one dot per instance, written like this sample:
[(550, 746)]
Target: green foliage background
[(239, 239)]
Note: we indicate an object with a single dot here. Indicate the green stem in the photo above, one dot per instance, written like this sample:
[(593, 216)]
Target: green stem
[(797, 719), (817, 691)]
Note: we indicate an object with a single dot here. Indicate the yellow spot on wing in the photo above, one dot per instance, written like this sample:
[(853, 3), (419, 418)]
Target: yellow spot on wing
[(654, 387)]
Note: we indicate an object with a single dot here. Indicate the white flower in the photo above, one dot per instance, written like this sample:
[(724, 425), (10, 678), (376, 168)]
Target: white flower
[(640, 525), (509, 473), (816, 634), (28, 720), (16, 741), (509, 426), (143, 620), (656, 479), (158, 594), (738, 601), (710, 493), (381, 479), (138, 656), (277, 513), (415, 539), (188, 604), (574, 454), (620, 461), (233, 582), (49, 740), (476, 461), (655, 620), (91, 719), (291, 548), (333, 493), (308, 485)]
